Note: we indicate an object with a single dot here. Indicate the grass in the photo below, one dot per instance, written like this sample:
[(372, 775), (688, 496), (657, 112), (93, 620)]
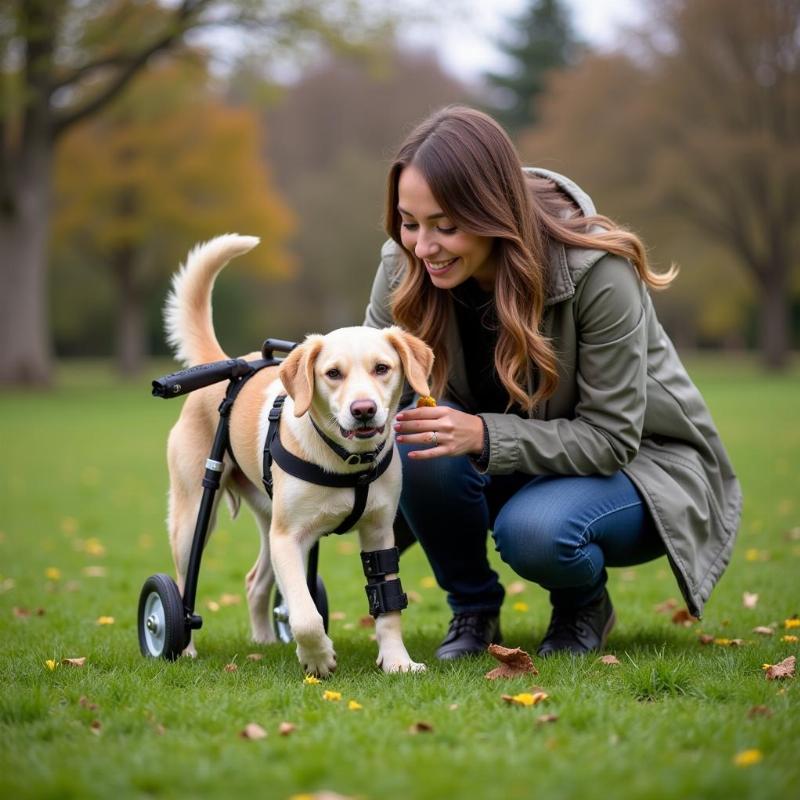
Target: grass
[(83, 487)]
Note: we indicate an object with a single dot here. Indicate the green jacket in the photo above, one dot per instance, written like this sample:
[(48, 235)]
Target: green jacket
[(624, 402)]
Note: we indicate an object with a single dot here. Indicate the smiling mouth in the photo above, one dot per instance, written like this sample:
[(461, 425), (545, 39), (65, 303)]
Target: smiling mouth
[(440, 266), (361, 433)]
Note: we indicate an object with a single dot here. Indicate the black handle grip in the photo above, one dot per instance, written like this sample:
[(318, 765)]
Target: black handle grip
[(271, 345), (188, 380)]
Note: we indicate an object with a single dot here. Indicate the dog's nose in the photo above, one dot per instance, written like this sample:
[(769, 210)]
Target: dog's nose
[(363, 410)]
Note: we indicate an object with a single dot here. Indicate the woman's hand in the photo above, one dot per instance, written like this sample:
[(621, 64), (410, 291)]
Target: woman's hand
[(443, 431)]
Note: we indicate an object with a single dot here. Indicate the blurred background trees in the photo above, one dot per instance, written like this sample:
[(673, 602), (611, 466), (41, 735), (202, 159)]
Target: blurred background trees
[(687, 133)]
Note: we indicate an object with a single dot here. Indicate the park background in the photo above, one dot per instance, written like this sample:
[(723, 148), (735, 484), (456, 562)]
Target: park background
[(132, 129)]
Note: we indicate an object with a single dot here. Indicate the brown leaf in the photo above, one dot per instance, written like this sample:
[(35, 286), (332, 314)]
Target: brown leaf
[(421, 727), (785, 669), (545, 718), (513, 661), (85, 702), (338, 615), (515, 587), (255, 656), (253, 731), (764, 630), (286, 728), (74, 662), (95, 726), (759, 711), (367, 621), (705, 638), (683, 617), (20, 612), (40, 612), (609, 659), (230, 668)]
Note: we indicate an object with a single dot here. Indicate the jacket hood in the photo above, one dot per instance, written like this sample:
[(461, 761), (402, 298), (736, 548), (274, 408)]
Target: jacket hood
[(568, 264)]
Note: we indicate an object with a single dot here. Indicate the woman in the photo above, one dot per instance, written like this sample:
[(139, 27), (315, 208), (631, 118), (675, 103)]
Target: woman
[(566, 423)]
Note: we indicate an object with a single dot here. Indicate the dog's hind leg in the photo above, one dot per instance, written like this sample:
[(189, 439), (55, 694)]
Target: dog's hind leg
[(261, 577)]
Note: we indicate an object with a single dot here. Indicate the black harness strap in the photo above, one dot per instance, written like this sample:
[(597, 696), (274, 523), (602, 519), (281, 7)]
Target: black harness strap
[(312, 473)]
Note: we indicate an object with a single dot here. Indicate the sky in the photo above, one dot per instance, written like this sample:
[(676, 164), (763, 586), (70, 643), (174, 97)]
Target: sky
[(465, 45)]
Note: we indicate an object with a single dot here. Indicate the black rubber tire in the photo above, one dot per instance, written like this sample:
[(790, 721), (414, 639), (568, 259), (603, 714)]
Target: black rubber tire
[(161, 600), (281, 625)]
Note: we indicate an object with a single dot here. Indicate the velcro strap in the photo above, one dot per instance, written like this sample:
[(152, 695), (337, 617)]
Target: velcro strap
[(378, 563), (386, 596)]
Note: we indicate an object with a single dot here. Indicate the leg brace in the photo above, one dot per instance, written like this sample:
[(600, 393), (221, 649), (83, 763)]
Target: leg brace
[(383, 595)]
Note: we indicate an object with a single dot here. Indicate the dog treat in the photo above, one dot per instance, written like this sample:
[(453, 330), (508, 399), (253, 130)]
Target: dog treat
[(426, 400)]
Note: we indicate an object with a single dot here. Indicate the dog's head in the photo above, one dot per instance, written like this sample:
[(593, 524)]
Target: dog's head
[(352, 378)]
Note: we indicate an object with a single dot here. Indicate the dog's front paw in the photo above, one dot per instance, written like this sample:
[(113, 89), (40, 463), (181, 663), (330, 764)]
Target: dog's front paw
[(317, 658), (399, 663)]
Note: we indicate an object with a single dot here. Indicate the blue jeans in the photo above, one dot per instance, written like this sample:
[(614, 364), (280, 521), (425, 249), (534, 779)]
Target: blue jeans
[(558, 531)]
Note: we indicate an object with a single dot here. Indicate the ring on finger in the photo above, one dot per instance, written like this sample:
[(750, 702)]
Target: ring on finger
[(434, 439)]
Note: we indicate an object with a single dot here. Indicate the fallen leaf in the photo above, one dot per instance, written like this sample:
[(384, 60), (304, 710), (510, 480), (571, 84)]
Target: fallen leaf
[(74, 662), (421, 727), (353, 705), (453, 706), (683, 617), (230, 668), (520, 606), (428, 582), (345, 547), (338, 615), (513, 661), (516, 587), (413, 597), (334, 697), (254, 656), (53, 574), (94, 547), (85, 702), (230, 600), (20, 612), (784, 669), (764, 630), (705, 638), (666, 606), (310, 680), (94, 571), (322, 795), (545, 718), (286, 728), (105, 620), (747, 758), (253, 731), (212, 605), (792, 622), (51, 664), (609, 659), (95, 726), (749, 600), (69, 525), (722, 642), (367, 621), (525, 698), (759, 711), (789, 638)]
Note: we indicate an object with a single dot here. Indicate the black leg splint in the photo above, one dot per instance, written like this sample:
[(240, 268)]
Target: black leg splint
[(383, 595)]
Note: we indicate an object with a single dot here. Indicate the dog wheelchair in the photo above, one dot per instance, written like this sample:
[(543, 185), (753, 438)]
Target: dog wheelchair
[(165, 618)]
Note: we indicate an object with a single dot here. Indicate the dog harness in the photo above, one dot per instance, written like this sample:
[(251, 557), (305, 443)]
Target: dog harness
[(382, 595)]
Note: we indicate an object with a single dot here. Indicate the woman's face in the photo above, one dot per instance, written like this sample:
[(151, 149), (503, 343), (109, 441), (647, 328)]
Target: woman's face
[(449, 255)]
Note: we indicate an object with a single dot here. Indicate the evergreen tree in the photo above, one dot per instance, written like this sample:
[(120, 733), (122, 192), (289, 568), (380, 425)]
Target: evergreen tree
[(542, 40)]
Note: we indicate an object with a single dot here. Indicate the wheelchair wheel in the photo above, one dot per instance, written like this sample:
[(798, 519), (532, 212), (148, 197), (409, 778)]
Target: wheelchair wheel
[(162, 621), (280, 611)]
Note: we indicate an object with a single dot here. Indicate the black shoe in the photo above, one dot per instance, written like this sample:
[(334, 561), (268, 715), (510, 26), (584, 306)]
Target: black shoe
[(470, 633), (579, 630)]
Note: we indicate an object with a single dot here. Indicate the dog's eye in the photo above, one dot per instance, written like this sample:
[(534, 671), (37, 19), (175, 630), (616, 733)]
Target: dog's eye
[(333, 374), (381, 369)]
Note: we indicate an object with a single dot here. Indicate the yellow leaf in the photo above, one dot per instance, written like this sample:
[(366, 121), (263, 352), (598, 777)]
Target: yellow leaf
[(794, 622), (747, 758), (788, 638), (310, 680), (105, 620), (520, 606), (212, 605), (94, 547), (354, 706), (94, 571), (526, 698), (428, 582), (334, 697), (53, 573), (51, 664)]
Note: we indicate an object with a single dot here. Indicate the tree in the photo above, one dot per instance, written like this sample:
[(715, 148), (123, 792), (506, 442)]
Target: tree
[(543, 41), (61, 62), (166, 165)]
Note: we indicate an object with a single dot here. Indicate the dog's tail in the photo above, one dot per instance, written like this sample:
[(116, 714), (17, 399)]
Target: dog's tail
[(187, 312)]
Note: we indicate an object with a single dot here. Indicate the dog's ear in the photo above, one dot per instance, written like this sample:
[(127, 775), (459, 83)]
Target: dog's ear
[(297, 372), (415, 355)]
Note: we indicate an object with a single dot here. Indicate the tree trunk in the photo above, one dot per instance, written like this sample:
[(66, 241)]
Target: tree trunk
[(774, 323), (130, 324), (25, 348)]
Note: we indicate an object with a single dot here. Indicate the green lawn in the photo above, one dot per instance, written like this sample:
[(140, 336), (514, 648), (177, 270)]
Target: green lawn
[(82, 504)]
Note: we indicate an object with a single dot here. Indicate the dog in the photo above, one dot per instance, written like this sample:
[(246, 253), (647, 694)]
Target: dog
[(349, 383)]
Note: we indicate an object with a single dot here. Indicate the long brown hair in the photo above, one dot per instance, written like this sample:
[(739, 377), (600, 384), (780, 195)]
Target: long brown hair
[(474, 173)]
